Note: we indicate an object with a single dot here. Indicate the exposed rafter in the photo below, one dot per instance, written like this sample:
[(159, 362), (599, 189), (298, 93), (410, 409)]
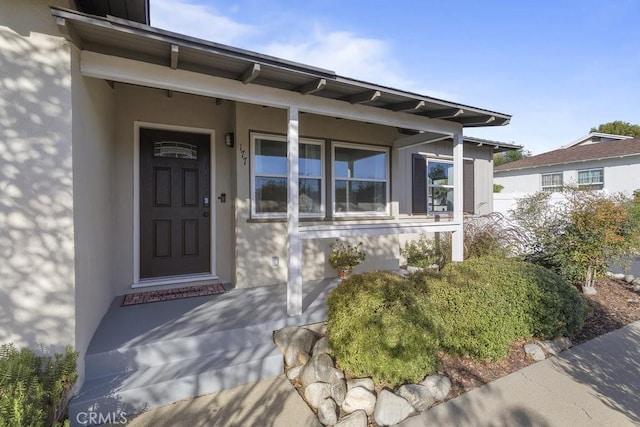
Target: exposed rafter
[(175, 53), (446, 113), (250, 73), (364, 97), (313, 87), (477, 120), (68, 32), (407, 106)]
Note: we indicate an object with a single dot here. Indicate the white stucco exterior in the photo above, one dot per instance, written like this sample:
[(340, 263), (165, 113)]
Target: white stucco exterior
[(68, 119)]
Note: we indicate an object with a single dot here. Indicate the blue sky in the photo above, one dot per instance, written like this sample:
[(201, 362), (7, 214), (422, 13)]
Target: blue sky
[(559, 67)]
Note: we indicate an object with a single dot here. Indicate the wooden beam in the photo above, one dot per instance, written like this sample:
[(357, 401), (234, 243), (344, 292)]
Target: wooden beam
[(364, 97), (68, 32), (419, 139), (457, 237), (175, 52), (250, 73), (445, 114), (407, 106), (294, 262), (312, 87), (478, 120), (108, 67)]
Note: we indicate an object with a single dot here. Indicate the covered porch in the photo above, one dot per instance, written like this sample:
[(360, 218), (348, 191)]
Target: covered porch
[(148, 355)]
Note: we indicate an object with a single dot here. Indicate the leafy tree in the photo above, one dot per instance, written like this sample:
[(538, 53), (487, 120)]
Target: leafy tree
[(580, 237), (508, 157), (618, 127)]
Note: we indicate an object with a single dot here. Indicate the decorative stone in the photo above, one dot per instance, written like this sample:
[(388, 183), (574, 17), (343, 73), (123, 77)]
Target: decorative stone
[(303, 358), (337, 375), (321, 346), (327, 412), (413, 269), (292, 341), (636, 281), (629, 278), (619, 276), (438, 385), (361, 382), (417, 395), (556, 346), (315, 393), (294, 373), (636, 288), (589, 290), (563, 342), (339, 391), (391, 409), (318, 369), (359, 398), (534, 351), (356, 419)]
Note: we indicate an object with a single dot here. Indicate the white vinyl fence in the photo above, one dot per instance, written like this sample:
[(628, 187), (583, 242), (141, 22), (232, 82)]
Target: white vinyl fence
[(505, 202)]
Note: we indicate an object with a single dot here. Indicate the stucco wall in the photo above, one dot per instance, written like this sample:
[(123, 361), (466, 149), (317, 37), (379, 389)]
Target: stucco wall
[(36, 179), (620, 174), (92, 127), (133, 103)]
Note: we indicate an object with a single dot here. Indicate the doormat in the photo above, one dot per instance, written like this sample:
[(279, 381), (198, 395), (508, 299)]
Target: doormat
[(171, 294)]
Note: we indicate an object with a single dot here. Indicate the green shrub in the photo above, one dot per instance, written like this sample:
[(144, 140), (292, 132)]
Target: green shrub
[(487, 303), (425, 252), (33, 389), (383, 326)]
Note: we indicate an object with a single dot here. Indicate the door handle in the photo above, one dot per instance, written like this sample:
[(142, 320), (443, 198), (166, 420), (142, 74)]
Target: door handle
[(206, 214), (205, 202)]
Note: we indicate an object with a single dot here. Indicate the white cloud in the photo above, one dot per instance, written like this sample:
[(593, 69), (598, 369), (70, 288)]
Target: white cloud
[(344, 52), (198, 20), (352, 56)]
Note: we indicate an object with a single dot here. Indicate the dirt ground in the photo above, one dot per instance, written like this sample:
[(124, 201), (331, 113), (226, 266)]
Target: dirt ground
[(614, 306)]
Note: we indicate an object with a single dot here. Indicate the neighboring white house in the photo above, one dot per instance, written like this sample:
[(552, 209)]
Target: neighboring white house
[(597, 161)]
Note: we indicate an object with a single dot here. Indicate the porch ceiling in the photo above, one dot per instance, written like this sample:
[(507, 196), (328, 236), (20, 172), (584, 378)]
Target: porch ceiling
[(119, 37)]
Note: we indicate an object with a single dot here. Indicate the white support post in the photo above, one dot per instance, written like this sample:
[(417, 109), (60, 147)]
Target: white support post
[(294, 266), (457, 237)]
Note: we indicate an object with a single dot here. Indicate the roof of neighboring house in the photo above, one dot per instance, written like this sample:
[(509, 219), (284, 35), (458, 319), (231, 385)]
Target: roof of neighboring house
[(133, 10), (578, 153), (498, 146), (599, 135), (119, 37)]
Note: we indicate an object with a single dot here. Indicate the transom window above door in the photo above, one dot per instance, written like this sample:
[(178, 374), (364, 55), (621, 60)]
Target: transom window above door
[(269, 177)]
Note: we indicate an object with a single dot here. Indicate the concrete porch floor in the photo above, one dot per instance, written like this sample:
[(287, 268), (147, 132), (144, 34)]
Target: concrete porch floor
[(149, 355), (141, 324)]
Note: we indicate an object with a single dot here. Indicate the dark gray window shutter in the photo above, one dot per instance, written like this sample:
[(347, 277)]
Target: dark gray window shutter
[(469, 186), (419, 190)]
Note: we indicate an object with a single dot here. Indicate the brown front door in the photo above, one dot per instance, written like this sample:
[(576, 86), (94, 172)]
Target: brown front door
[(175, 222)]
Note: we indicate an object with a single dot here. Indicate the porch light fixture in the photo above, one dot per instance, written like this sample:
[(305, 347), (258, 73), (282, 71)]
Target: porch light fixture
[(229, 140)]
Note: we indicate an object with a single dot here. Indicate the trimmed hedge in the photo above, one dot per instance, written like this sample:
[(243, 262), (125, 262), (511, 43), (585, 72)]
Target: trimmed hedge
[(383, 326), (391, 328), (487, 303)]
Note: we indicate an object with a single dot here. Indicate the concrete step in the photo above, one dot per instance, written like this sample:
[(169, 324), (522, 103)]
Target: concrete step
[(150, 387), (134, 357)]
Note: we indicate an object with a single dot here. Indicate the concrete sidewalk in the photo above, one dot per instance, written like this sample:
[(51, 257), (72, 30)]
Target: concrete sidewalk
[(269, 402), (593, 384)]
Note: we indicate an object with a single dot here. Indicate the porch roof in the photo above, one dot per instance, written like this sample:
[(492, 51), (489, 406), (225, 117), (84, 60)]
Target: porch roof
[(119, 37)]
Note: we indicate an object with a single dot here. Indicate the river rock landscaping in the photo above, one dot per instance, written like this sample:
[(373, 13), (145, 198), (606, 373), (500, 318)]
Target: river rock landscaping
[(340, 400)]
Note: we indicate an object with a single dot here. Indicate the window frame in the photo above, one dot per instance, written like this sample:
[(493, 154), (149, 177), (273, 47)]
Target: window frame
[(590, 184), (553, 186), (387, 180), (428, 186), (254, 136)]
